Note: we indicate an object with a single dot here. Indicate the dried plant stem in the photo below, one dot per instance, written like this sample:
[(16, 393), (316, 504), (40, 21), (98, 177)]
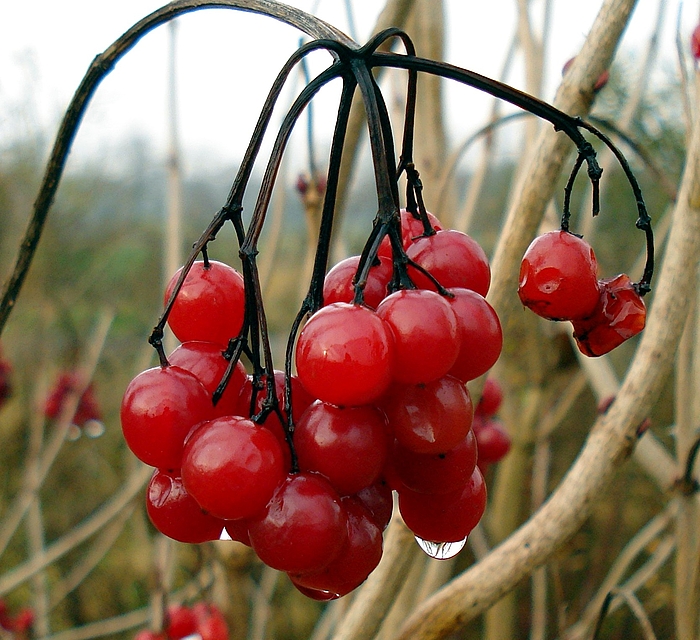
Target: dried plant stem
[(262, 604), (639, 613), (91, 525), (40, 464), (687, 564), (611, 440), (649, 532), (89, 561)]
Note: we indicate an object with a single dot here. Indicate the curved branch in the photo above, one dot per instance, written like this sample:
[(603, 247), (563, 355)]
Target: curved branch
[(99, 68)]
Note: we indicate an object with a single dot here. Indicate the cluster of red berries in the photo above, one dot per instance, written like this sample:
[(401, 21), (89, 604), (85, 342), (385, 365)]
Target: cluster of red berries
[(5, 382), (202, 620), (379, 403), (492, 439), (559, 281), (88, 415), (19, 624)]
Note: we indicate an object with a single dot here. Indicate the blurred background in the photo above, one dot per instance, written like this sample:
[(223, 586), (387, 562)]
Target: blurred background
[(163, 137)]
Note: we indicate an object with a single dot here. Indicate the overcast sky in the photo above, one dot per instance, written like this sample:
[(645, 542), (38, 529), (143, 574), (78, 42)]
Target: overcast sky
[(227, 59)]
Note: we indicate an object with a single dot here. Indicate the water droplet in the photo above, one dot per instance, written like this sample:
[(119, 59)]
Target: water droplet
[(93, 428), (224, 535), (441, 550), (73, 433)]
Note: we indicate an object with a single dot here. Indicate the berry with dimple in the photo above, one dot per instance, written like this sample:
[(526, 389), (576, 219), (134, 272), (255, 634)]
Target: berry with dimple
[(206, 362), (345, 355), (339, 286), (411, 229), (447, 517), (429, 418), (558, 277), (231, 467), (453, 258), (426, 337), (359, 556), (176, 514), (620, 315), (210, 305), (480, 334), (347, 445), (159, 408), (302, 528)]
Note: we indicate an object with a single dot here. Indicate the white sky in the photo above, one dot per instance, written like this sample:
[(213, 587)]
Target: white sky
[(47, 45)]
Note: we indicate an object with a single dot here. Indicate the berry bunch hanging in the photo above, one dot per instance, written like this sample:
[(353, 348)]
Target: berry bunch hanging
[(301, 462)]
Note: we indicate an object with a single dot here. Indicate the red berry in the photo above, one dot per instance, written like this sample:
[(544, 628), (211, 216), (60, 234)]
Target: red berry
[(359, 556), (238, 530), (492, 439), (695, 43), (447, 517), (231, 467), (339, 287), (411, 230), (436, 472), (453, 258), (378, 499), (147, 634), (602, 80), (88, 408), (176, 514), (429, 418), (159, 408), (209, 306), (347, 445), (558, 277), (620, 315), (480, 334), (205, 361), (301, 400), (214, 627), (425, 331), (302, 528), (491, 398), (180, 621), (344, 355)]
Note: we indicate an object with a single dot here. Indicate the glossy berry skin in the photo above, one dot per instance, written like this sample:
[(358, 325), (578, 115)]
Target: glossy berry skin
[(205, 361), (453, 258), (303, 527), (159, 408), (378, 499), (344, 355), (492, 439), (448, 517), (347, 445), (176, 514), (411, 230), (429, 418), (480, 334), (359, 556), (620, 315), (425, 331), (436, 473), (558, 277), (338, 285), (231, 467), (301, 400), (209, 306)]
